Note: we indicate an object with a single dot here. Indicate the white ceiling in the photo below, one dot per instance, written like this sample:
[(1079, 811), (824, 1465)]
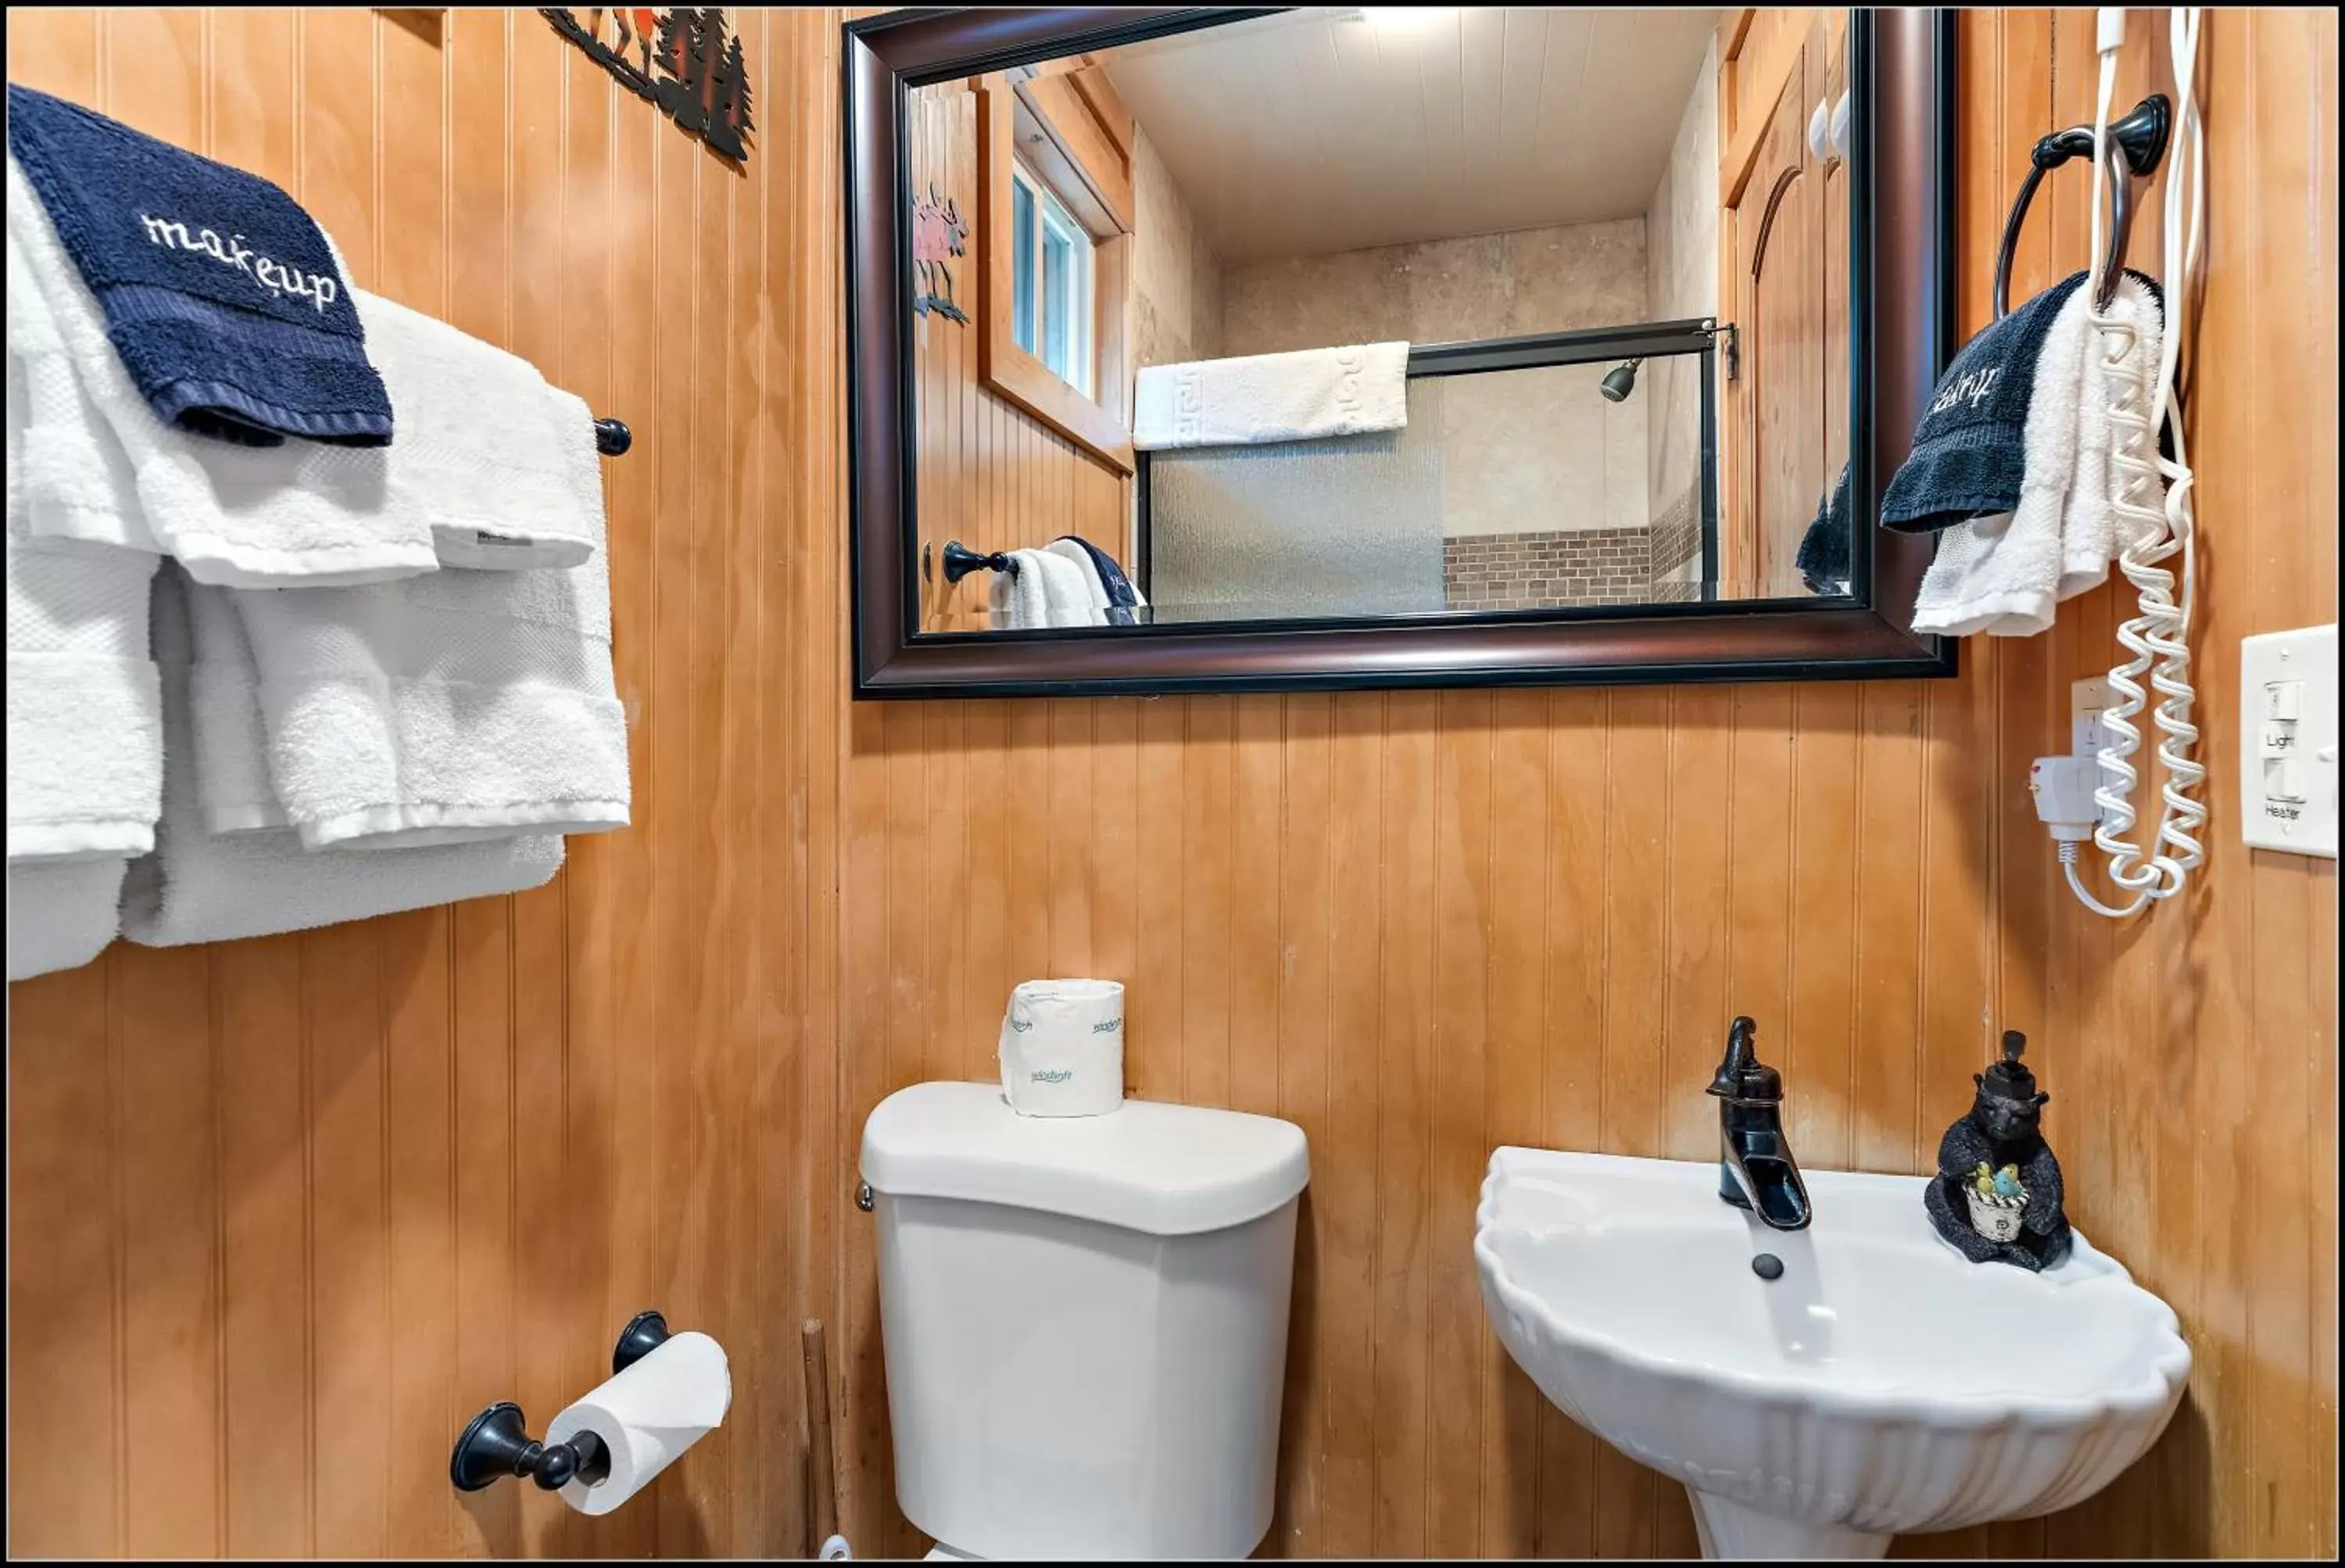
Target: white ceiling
[(1332, 129)]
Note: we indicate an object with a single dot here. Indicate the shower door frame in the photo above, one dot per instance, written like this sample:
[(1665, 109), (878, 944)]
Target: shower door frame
[(1539, 350)]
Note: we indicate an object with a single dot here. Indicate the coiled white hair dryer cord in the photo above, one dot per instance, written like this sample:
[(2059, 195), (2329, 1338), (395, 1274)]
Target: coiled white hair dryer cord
[(2158, 637)]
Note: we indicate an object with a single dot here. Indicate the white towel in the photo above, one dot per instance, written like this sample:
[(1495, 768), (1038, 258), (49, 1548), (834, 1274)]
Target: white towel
[(1066, 602), (304, 512), (231, 744), (479, 448), (1017, 600), (456, 706), (204, 887), (85, 736), (1094, 591), (2002, 575), (1261, 398), (75, 476), (61, 914)]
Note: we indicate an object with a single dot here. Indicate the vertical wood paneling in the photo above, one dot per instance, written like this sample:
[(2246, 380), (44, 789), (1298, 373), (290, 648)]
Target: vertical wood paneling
[(1539, 912), (417, 1164), (286, 1212), (968, 440)]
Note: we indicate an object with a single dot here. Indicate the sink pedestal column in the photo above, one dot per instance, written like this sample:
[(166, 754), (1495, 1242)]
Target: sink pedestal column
[(1731, 1530)]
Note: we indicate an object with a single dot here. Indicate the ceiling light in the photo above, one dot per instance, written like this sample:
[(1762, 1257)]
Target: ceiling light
[(1407, 18), (1394, 18)]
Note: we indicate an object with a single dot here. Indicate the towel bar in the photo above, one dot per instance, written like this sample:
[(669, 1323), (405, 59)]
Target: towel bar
[(2141, 138), (960, 561), (611, 437)]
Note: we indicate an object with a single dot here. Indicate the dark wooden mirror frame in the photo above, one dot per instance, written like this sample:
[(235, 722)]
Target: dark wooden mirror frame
[(1901, 295)]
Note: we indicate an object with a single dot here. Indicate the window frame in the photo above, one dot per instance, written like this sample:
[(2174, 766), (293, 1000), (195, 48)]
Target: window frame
[(1044, 213), (1100, 430)]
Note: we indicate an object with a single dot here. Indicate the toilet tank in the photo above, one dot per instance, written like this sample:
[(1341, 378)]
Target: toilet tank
[(1084, 1320)]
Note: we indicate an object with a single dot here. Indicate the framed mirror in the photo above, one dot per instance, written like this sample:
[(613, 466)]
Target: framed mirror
[(1324, 348)]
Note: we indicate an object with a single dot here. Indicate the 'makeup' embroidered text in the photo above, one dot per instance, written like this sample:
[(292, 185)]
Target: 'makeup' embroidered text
[(319, 287)]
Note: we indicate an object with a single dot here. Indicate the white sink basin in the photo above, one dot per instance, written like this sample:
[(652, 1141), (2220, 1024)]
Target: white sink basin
[(1882, 1384)]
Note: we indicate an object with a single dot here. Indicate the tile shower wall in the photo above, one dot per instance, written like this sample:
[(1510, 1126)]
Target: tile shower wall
[(1176, 277), (1682, 273), (1549, 570), (1443, 291), (1534, 453)]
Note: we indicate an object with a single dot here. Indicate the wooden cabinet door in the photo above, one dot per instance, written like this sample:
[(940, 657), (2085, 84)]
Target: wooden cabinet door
[(1777, 227)]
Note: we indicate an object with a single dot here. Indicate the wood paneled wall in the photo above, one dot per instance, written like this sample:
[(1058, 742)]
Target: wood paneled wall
[(988, 474), (1422, 924), (282, 1213)]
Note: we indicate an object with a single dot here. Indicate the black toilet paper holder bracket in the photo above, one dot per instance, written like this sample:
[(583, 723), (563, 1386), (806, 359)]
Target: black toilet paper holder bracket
[(496, 1443)]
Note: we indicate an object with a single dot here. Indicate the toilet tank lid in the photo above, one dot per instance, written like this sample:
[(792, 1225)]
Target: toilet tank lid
[(1168, 1170)]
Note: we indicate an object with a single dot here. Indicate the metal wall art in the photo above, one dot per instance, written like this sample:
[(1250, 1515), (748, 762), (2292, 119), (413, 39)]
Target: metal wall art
[(681, 58), (939, 233)]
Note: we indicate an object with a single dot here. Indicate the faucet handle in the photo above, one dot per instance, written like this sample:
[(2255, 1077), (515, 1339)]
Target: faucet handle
[(1741, 1077)]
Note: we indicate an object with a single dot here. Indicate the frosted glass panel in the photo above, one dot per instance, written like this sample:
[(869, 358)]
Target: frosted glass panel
[(1350, 525)]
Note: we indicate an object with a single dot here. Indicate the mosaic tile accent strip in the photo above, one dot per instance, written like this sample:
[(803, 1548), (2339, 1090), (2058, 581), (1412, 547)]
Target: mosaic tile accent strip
[(1548, 571), (1677, 536)]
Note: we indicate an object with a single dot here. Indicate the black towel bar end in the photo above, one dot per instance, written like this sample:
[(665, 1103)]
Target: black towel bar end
[(960, 561), (611, 437)]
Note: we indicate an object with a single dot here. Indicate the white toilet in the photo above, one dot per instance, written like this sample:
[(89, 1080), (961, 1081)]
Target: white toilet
[(1084, 1320)]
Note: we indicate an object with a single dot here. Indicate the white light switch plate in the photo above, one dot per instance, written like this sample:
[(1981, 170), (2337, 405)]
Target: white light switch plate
[(2288, 765)]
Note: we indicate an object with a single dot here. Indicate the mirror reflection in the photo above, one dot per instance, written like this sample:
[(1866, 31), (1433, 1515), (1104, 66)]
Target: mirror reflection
[(1384, 312)]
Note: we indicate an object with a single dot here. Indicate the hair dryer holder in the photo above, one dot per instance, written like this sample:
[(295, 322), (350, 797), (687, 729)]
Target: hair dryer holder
[(496, 1443)]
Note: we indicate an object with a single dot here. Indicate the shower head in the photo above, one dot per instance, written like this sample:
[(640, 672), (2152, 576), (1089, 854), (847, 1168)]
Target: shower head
[(1620, 382)]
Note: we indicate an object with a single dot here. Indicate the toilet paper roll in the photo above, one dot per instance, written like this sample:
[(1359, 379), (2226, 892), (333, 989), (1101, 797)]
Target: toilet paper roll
[(1062, 1048), (645, 1416)]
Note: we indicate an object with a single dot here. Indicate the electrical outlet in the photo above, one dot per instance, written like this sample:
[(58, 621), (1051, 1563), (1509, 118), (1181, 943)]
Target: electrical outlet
[(2088, 700)]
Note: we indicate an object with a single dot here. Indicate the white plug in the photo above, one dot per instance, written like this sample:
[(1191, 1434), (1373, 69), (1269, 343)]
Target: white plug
[(2110, 31), (2063, 788)]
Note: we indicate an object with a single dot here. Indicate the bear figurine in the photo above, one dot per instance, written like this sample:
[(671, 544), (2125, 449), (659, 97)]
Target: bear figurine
[(2003, 1128)]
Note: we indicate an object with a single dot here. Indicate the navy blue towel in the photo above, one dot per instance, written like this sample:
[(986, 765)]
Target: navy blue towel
[(1823, 556), (221, 293), (1120, 596), (1969, 451)]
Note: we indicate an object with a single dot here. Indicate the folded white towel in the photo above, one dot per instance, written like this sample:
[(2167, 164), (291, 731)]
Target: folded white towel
[(2002, 575), (231, 744), (1066, 600), (479, 449), (85, 736), (456, 706), (75, 476), (1094, 591), (304, 512), (205, 887), (1261, 398), (61, 914), (1017, 600)]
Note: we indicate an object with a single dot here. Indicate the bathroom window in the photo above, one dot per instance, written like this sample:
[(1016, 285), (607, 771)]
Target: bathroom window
[(1055, 230), (1053, 283)]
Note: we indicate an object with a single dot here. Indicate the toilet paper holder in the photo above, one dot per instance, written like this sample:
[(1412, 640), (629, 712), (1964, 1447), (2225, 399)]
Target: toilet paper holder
[(496, 1443)]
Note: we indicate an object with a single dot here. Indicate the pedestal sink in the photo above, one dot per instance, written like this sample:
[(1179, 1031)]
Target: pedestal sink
[(1878, 1384)]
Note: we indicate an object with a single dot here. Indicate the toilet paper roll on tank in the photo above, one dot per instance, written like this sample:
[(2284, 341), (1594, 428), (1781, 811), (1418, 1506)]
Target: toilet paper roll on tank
[(1061, 1048), (646, 1415)]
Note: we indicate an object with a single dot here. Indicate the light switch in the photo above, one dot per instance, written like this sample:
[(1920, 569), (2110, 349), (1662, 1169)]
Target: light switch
[(2287, 741)]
